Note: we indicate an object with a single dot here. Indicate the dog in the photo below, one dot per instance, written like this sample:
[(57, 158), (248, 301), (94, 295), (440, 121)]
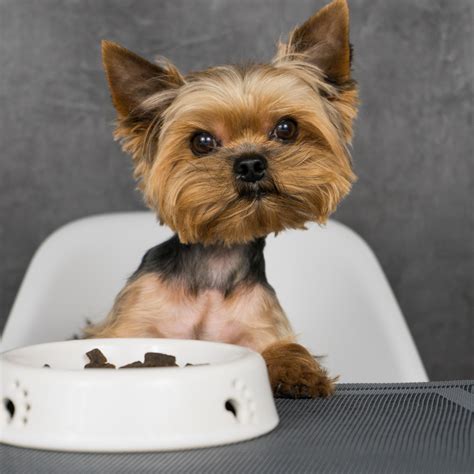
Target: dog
[(224, 157)]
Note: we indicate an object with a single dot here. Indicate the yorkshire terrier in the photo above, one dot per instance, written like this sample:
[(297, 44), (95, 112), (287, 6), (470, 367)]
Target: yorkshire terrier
[(224, 157)]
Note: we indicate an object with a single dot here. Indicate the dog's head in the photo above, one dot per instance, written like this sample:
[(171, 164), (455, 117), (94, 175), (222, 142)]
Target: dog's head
[(233, 153)]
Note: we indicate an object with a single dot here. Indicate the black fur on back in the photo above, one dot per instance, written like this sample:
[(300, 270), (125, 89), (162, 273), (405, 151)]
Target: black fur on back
[(200, 267)]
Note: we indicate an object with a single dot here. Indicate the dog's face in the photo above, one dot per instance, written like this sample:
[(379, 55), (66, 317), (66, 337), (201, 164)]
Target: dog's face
[(234, 153)]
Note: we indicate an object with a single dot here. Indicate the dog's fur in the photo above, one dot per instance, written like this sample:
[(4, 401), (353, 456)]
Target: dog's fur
[(208, 281)]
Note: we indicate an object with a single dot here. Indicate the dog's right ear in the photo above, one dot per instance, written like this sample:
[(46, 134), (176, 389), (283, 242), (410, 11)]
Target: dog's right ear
[(133, 79), (141, 91)]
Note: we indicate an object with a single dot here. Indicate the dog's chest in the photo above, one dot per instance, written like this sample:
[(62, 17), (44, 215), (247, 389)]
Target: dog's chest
[(209, 315), (202, 292)]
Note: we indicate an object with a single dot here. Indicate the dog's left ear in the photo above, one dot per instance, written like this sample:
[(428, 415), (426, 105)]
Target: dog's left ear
[(323, 40)]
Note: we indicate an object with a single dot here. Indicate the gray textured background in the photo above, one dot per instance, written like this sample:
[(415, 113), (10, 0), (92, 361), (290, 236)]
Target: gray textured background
[(413, 151)]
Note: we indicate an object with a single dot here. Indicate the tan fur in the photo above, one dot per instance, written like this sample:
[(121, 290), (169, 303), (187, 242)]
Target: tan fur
[(309, 79), (149, 307), (196, 198), (295, 373), (159, 111)]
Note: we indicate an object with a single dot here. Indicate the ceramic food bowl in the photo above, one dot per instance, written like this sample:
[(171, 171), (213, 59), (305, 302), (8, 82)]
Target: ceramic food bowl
[(67, 407)]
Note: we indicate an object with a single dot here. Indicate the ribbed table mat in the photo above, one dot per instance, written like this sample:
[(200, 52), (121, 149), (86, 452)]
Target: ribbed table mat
[(364, 428)]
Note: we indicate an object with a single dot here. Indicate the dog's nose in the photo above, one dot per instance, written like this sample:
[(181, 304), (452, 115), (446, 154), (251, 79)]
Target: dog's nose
[(250, 167)]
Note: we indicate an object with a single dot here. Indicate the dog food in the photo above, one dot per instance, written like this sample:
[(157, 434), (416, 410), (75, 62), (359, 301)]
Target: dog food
[(153, 359), (97, 360)]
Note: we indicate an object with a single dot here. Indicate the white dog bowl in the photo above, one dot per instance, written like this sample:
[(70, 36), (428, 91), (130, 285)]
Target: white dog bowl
[(66, 407)]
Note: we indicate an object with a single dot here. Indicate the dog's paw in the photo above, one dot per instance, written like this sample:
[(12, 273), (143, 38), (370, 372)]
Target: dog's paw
[(295, 373), (297, 383)]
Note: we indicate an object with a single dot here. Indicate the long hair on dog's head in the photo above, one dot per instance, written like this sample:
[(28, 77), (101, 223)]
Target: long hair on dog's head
[(233, 153)]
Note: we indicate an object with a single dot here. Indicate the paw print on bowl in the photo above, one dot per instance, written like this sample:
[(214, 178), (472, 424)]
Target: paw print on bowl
[(241, 405), (16, 405)]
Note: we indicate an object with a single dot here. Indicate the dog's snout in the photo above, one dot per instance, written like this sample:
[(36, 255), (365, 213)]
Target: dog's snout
[(250, 167)]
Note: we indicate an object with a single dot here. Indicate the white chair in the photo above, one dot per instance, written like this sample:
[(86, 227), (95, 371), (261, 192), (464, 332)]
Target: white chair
[(327, 279)]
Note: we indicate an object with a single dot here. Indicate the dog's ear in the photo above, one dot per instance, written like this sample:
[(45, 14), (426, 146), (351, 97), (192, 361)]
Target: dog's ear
[(323, 40), (133, 79), (141, 92)]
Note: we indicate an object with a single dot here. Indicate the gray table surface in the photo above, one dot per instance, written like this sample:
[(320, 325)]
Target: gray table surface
[(425, 427)]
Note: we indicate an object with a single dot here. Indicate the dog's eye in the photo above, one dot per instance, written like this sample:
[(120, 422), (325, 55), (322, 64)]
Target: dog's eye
[(285, 130), (203, 143)]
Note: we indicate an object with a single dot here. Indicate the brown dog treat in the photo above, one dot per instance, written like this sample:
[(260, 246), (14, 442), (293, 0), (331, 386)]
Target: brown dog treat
[(156, 359), (47, 366), (134, 365), (95, 355), (97, 360), (94, 365), (153, 359)]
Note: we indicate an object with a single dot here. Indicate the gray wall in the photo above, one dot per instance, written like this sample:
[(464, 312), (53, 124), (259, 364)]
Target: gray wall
[(413, 151)]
